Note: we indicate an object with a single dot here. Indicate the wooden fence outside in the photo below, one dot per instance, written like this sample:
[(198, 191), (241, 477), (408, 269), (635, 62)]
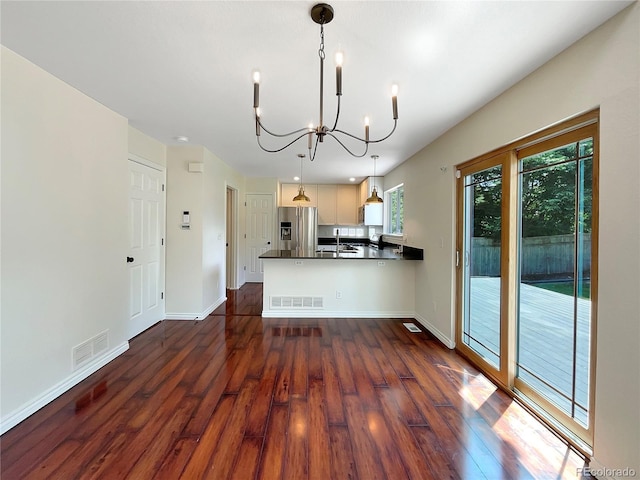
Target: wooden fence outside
[(551, 257)]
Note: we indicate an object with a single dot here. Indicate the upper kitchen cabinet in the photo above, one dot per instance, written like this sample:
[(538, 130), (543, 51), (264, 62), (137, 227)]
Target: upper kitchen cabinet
[(337, 204), (290, 190), (327, 204), (347, 205)]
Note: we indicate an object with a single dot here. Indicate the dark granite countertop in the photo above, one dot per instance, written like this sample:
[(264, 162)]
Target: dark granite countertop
[(362, 253)]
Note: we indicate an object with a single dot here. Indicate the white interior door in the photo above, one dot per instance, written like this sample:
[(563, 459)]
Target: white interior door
[(259, 233), (146, 246)]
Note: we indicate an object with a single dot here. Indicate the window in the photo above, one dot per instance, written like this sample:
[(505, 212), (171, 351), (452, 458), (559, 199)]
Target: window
[(394, 210)]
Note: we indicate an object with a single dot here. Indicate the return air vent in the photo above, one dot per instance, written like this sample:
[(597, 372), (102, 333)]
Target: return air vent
[(86, 351), (297, 302), (412, 327)]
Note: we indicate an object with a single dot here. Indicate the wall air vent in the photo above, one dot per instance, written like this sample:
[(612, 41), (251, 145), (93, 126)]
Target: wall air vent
[(86, 351), (82, 354), (285, 302)]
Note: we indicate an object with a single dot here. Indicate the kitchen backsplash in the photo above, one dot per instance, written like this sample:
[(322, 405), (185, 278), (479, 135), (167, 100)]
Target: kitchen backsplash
[(358, 231)]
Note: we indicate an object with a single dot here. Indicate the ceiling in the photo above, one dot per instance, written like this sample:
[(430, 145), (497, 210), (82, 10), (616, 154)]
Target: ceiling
[(184, 68)]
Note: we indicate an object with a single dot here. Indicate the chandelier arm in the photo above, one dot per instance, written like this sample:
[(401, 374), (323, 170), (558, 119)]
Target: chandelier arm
[(346, 148), (280, 149), (395, 124), (306, 129), (337, 114), (315, 149)]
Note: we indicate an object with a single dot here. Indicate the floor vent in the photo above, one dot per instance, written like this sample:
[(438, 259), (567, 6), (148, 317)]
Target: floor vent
[(93, 347), (296, 303), (412, 327)]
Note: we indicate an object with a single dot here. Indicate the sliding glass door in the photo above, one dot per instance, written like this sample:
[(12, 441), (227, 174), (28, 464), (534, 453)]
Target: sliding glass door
[(527, 270), (481, 264), (554, 277)]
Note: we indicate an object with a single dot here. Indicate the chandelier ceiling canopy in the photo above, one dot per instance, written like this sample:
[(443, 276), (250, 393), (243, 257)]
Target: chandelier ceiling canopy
[(321, 13)]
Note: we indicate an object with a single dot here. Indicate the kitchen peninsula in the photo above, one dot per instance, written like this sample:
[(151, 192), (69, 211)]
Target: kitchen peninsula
[(367, 283)]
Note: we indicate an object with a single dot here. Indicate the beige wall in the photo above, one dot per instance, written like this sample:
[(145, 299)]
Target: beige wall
[(602, 69), (196, 258), (64, 235), (146, 147)]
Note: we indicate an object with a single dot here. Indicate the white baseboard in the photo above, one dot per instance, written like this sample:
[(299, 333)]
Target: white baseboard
[(334, 314), (439, 335), (17, 416), (196, 316)]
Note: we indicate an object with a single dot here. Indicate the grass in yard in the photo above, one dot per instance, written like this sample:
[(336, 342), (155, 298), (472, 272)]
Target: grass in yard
[(565, 288)]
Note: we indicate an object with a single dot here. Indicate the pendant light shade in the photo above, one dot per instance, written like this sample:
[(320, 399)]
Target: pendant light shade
[(374, 198), (301, 197)]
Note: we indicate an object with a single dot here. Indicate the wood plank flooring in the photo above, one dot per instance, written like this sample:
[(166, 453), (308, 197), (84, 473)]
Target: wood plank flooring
[(236, 396)]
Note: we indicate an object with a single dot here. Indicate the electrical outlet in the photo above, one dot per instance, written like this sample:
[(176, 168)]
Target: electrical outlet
[(381, 264), (338, 294)]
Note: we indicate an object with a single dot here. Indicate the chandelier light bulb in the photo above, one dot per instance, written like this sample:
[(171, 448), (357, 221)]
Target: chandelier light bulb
[(394, 101), (366, 129), (339, 58), (256, 90)]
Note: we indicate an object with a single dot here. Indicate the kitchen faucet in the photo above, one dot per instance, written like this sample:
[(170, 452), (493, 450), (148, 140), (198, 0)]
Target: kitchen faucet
[(337, 240)]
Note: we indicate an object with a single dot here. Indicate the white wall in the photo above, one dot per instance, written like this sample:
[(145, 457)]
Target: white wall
[(367, 289), (218, 176), (64, 234), (196, 258), (602, 69), (146, 147)]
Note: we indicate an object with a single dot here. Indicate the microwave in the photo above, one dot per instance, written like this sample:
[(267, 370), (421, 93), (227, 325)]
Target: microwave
[(371, 214)]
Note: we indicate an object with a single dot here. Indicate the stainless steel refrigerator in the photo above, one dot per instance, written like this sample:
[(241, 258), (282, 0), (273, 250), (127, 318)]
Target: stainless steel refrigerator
[(297, 228)]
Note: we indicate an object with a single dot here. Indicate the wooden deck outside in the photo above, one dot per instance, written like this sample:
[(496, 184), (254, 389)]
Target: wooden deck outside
[(546, 337)]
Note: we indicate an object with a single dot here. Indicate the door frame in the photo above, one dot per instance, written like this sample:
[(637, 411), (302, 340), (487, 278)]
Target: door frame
[(231, 209), (502, 374)]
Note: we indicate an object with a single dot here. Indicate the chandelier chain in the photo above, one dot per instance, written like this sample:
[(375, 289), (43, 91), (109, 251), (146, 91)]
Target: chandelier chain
[(321, 53)]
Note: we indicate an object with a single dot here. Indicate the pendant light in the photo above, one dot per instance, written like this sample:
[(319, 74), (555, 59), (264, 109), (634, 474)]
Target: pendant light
[(374, 198), (301, 197)]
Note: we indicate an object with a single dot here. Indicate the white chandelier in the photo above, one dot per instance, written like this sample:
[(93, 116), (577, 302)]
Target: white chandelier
[(322, 13)]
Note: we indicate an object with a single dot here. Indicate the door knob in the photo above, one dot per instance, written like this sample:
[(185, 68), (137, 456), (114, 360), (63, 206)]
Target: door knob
[(129, 259)]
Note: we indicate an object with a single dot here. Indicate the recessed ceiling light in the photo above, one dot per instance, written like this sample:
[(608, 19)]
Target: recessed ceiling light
[(182, 139), (296, 178), (352, 179)]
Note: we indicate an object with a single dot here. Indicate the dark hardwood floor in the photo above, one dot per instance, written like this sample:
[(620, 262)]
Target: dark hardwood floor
[(241, 397)]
